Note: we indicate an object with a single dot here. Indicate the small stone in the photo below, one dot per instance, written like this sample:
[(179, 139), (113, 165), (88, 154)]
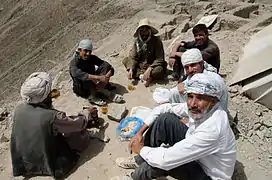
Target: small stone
[(260, 134), (267, 122), (261, 128), (217, 26), (114, 55), (250, 133), (257, 126), (166, 32), (244, 11), (233, 89), (182, 28), (236, 58), (4, 138), (2, 167), (117, 112), (259, 114), (268, 133)]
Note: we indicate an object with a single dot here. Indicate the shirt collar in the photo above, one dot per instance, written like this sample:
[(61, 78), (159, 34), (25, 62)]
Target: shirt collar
[(203, 119)]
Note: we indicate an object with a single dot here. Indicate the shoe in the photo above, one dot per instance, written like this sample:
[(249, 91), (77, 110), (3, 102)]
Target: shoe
[(126, 163), (122, 177), (93, 99), (99, 136)]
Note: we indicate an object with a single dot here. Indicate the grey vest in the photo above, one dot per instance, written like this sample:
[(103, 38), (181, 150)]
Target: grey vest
[(34, 148)]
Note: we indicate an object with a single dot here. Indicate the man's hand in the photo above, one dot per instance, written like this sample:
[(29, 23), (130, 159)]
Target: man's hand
[(130, 72), (137, 137), (172, 61), (108, 75), (103, 79), (93, 111), (136, 144), (184, 120), (181, 88), (147, 74)]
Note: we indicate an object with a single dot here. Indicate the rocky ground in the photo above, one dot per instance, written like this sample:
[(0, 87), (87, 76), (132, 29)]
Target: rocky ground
[(41, 36)]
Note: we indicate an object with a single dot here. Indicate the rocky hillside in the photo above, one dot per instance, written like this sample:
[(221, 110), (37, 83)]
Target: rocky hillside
[(41, 36)]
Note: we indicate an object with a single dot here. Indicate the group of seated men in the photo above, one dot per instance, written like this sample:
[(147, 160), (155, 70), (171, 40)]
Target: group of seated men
[(187, 138)]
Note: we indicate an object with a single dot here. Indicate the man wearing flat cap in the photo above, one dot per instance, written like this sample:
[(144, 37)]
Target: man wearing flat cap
[(91, 75), (203, 148), (146, 58), (44, 141)]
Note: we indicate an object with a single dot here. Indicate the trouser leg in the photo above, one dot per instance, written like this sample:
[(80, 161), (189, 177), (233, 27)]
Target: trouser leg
[(104, 69), (167, 129), (157, 73), (178, 68)]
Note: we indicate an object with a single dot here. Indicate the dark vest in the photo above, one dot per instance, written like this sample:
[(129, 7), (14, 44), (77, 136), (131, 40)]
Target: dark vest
[(34, 148)]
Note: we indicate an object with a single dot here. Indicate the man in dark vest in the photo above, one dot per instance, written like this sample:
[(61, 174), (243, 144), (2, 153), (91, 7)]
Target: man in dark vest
[(45, 141), (91, 75)]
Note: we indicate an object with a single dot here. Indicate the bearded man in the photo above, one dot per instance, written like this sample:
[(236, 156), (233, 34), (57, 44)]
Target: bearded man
[(44, 141), (199, 148), (193, 63), (146, 58)]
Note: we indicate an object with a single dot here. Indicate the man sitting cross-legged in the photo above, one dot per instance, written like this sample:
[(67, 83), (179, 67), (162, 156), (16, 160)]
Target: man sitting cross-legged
[(199, 148)]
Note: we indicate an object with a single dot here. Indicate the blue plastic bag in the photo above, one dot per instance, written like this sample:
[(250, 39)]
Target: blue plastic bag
[(124, 124)]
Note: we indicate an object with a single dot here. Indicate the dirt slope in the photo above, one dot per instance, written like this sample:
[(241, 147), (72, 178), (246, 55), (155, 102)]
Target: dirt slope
[(41, 36)]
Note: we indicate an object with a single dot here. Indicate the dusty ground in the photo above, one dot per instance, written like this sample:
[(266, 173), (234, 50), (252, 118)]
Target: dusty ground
[(41, 37)]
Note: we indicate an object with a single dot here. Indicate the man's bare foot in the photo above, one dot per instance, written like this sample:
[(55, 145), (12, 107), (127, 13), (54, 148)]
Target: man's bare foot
[(147, 83)]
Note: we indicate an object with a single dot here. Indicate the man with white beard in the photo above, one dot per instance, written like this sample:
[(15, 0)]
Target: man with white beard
[(199, 148)]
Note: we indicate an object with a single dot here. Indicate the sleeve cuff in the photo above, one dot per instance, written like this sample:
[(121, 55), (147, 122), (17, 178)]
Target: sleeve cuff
[(145, 151)]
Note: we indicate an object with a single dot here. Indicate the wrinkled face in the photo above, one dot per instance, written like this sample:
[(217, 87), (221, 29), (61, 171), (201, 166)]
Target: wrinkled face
[(145, 32), (199, 105), (194, 68), (84, 53), (201, 38)]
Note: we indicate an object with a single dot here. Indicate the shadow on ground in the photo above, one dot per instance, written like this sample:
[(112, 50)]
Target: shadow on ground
[(120, 89), (239, 172)]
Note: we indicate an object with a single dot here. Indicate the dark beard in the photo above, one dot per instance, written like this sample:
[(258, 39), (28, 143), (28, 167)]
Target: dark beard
[(144, 38)]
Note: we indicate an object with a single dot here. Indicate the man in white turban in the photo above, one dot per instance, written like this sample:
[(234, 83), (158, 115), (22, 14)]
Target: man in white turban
[(91, 75), (203, 148), (44, 141), (193, 63)]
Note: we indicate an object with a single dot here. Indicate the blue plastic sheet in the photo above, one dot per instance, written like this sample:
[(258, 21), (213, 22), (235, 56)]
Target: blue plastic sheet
[(124, 123)]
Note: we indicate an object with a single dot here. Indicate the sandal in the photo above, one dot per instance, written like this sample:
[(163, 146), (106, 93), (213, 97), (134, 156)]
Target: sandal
[(97, 101), (126, 163), (117, 98)]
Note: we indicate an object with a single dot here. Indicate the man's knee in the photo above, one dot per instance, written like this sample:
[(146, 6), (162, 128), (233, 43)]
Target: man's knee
[(169, 117), (158, 73), (147, 172), (104, 68)]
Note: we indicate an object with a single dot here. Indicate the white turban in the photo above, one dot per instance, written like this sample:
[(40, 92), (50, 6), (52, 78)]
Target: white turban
[(86, 44), (36, 87), (191, 56), (205, 84)]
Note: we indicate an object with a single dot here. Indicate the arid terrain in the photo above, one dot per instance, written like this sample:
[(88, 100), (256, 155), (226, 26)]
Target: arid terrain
[(42, 35)]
